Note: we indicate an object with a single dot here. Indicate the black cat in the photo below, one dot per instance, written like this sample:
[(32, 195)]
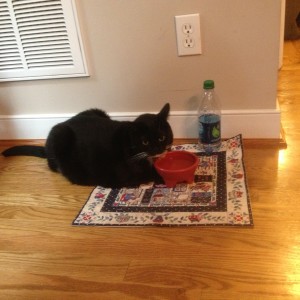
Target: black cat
[(92, 149)]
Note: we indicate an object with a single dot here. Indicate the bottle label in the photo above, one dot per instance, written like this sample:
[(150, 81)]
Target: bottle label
[(209, 129)]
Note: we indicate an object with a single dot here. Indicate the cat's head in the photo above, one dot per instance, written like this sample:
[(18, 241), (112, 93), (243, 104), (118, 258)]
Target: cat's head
[(152, 133)]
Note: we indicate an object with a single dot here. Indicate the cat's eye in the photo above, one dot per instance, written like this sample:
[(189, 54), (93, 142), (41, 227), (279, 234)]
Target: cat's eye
[(145, 142), (162, 138)]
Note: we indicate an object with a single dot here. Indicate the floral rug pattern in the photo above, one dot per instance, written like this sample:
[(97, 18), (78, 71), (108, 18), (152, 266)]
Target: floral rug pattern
[(218, 196)]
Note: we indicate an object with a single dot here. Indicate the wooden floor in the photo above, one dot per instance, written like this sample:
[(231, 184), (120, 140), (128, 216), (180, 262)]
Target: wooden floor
[(43, 257)]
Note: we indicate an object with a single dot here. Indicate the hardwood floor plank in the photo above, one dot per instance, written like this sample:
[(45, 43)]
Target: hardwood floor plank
[(41, 286)]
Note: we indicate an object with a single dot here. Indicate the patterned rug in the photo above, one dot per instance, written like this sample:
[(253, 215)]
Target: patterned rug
[(218, 196)]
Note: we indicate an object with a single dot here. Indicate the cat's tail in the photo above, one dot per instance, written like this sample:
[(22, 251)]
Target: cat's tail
[(26, 150)]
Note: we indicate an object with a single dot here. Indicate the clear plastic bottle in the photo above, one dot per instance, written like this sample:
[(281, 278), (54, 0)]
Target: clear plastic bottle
[(209, 119)]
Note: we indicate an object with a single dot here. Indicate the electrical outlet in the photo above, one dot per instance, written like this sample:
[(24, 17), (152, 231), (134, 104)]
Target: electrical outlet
[(187, 28), (188, 42), (188, 34)]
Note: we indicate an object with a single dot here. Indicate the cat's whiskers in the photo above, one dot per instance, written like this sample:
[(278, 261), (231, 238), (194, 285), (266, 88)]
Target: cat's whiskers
[(137, 157), (142, 155)]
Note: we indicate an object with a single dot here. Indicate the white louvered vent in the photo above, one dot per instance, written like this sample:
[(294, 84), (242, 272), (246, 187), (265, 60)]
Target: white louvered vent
[(10, 57), (39, 39)]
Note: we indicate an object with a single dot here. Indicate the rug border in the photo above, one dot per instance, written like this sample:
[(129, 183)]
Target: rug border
[(249, 204)]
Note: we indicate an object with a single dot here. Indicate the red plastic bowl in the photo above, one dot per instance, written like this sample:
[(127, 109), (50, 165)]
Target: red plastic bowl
[(177, 166)]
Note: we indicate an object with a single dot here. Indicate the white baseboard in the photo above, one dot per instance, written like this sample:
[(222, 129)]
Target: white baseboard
[(256, 124), (252, 124)]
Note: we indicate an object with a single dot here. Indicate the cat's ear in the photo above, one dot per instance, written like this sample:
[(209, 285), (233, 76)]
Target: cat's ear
[(164, 113)]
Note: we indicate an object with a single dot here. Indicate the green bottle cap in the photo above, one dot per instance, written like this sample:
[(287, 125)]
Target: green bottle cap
[(208, 84)]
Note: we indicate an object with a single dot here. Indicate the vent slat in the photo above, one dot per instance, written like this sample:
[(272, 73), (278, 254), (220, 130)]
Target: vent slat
[(48, 54), (10, 62), (41, 34), (33, 3), (41, 25), (48, 43), (7, 68), (9, 54), (39, 19), (49, 64), (46, 47), (38, 14)]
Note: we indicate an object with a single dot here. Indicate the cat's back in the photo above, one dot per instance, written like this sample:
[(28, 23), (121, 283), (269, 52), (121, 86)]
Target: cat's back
[(89, 127), (93, 112), (93, 125)]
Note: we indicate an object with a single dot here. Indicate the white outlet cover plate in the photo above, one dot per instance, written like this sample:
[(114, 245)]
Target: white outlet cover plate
[(183, 22)]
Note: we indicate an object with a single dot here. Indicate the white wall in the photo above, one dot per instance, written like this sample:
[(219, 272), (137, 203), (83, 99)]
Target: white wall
[(134, 67)]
